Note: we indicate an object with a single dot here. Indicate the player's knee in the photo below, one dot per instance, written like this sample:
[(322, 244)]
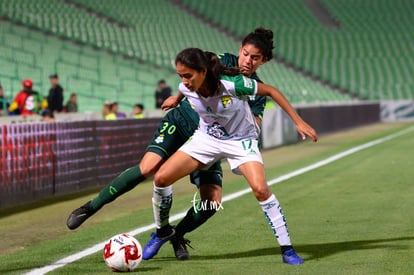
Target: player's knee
[(161, 180), (147, 170), (262, 193)]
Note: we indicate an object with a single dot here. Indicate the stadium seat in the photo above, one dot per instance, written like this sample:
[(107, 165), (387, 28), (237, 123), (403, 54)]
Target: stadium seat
[(73, 63), (352, 57), (302, 40)]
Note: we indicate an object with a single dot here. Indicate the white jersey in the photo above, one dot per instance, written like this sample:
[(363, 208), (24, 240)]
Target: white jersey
[(226, 115)]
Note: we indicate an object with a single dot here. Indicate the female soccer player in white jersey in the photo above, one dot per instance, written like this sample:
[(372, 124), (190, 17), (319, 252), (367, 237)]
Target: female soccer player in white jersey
[(227, 130)]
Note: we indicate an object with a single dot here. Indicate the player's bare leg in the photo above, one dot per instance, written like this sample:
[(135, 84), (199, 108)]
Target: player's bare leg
[(255, 175)]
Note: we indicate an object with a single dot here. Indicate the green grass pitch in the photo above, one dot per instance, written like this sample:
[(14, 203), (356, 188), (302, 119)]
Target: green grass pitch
[(353, 216)]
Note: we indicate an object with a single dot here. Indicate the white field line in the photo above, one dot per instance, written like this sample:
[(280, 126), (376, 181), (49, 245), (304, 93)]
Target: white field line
[(97, 247)]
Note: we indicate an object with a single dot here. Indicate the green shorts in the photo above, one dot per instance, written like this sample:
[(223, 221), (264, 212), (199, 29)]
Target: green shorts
[(174, 130), (213, 175)]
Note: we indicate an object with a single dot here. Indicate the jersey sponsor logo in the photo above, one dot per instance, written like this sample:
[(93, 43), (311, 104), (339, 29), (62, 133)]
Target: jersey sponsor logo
[(159, 139), (217, 131), (248, 83), (227, 101)]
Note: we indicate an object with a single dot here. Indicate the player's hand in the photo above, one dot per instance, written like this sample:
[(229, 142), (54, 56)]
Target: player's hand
[(305, 130), (170, 102)]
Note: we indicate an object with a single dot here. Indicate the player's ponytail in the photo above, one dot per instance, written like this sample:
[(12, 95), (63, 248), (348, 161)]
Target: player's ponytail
[(215, 69), (262, 39)]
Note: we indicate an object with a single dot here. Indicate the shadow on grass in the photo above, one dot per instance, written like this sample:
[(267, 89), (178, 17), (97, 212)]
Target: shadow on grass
[(313, 251), (316, 251), (81, 268), (88, 266)]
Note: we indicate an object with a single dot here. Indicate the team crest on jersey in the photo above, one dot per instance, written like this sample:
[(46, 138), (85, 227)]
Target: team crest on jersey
[(159, 139), (227, 101)]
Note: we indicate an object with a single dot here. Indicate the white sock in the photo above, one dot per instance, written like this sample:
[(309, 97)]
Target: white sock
[(161, 205), (274, 216)]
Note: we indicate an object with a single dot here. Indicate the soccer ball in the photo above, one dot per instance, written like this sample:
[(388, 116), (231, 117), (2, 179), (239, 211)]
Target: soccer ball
[(122, 253)]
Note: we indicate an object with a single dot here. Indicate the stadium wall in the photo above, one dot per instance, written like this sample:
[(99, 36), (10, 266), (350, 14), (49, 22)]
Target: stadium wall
[(337, 117), (41, 160), (278, 129)]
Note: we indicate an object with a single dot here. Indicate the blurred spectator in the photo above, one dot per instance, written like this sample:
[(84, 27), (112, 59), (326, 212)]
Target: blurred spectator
[(162, 93), (4, 103), (55, 97), (28, 101), (47, 116), (116, 111), (138, 111), (107, 111), (72, 104)]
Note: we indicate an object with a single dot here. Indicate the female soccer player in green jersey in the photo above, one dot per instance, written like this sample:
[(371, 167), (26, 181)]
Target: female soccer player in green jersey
[(227, 130)]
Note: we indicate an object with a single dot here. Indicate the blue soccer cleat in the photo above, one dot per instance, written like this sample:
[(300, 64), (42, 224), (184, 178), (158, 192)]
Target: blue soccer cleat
[(290, 257), (153, 246)]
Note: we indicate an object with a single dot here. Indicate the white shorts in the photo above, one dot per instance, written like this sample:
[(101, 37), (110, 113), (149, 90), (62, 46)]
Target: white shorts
[(207, 150)]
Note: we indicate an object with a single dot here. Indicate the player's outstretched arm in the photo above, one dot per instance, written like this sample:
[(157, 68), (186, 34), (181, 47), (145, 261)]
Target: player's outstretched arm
[(302, 127)]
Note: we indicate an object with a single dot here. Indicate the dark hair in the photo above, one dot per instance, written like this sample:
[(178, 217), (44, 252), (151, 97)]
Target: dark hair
[(262, 39), (47, 113), (110, 104), (139, 106), (199, 60)]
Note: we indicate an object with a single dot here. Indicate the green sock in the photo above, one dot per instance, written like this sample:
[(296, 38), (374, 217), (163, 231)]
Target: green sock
[(193, 219), (126, 181)]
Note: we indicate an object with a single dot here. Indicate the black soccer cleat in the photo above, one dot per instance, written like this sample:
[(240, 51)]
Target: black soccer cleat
[(78, 216), (180, 247)]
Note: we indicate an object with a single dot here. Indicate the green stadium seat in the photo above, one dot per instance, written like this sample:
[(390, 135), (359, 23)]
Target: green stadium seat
[(8, 68), (351, 57), (303, 41), (34, 73), (6, 52)]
